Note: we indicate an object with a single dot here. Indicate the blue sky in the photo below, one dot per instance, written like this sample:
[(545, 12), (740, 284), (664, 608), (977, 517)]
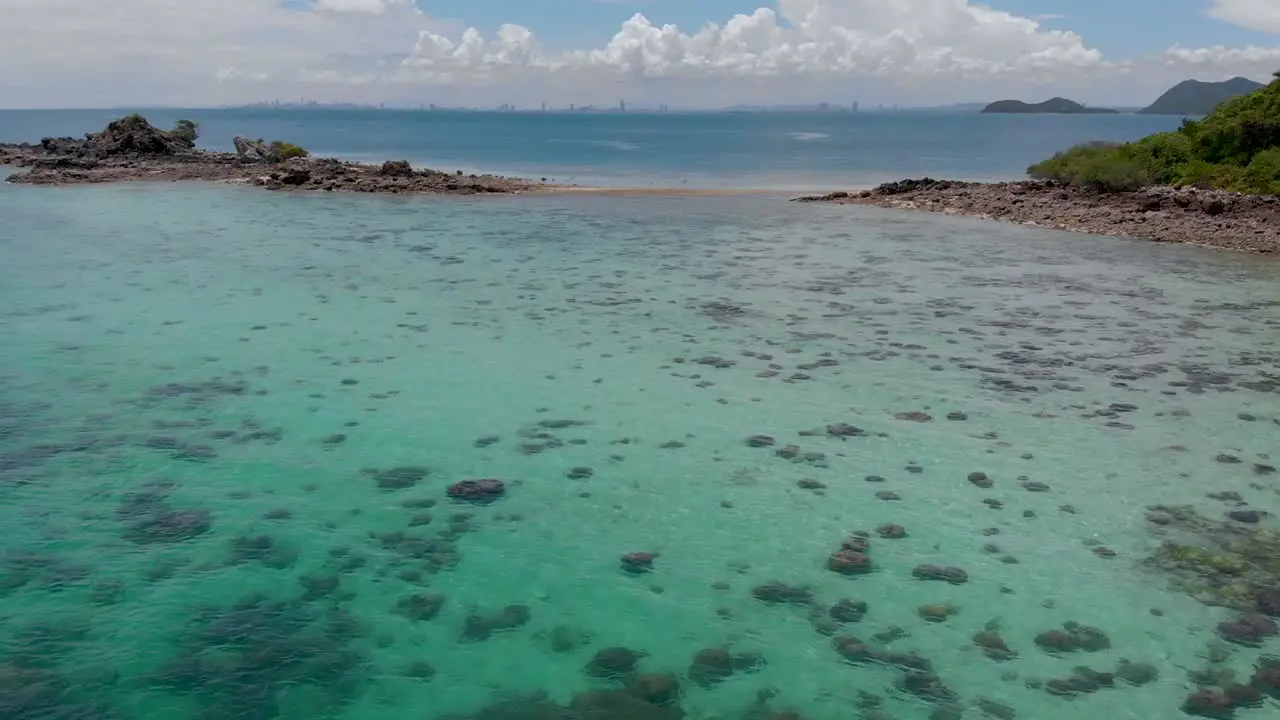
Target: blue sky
[(1119, 28)]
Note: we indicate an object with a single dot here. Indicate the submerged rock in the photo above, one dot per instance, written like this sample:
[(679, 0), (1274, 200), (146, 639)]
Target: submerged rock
[(661, 689), (778, 593), (852, 649), (711, 666), (1209, 703), (638, 563), (478, 492), (478, 627), (993, 645), (847, 610), (1249, 630), (614, 663), (949, 574), (849, 562), (1136, 673), (936, 613), (171, 526), (399, 478), (610, 705), (420, 607)]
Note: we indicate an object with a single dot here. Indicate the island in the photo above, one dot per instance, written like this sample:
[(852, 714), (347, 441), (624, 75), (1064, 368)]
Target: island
[(1196, 97), (1057, 106), (1213, 182), (131, 149)]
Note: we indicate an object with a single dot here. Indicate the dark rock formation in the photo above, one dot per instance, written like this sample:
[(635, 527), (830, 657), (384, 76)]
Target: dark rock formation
[(849, 562), (638, 563), (254, 151), (993, 645), (778, 593), (847, 610), (420, 607), (661, 689), (131, 150), (478, 626), (1209, 703), (711, 666), (478, 492), (399, 478), (613, 663), (953, 575)]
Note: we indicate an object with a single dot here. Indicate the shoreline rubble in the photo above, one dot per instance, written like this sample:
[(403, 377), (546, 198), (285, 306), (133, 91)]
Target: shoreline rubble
[(1192, 216)]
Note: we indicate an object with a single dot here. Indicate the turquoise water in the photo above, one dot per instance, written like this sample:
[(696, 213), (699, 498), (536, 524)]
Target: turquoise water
[(203, 387), (746, 150)]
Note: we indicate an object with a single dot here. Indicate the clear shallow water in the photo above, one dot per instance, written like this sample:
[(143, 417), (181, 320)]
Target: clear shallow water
[(744, 150), (198, 349)]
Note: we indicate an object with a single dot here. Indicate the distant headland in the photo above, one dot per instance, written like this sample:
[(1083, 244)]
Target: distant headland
[(1196, 97), (1057, 106)]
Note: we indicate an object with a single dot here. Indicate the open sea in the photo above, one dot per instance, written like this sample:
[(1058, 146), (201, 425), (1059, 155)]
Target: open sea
[(757, 460)]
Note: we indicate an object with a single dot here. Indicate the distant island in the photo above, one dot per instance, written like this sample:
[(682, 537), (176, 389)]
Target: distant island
[(1196, 97), (1060, 106)]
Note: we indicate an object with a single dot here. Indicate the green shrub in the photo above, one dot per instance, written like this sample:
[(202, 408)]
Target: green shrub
[(1261, 175), (286, 150), (1163, 155), (187, 130), (1201, 174), (1105, 167)]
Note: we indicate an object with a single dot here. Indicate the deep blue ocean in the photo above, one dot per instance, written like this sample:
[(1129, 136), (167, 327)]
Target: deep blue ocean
[(741, 150)]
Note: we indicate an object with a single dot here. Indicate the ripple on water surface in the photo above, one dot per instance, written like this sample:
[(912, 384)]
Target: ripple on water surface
[(274, 456)]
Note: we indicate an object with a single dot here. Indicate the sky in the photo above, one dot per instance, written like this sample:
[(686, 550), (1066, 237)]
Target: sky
[(685, 53)]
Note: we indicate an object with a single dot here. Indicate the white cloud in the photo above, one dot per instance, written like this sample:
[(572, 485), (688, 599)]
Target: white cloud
[(870, 37), (1224, 58), (74, 53), (1263, 15)]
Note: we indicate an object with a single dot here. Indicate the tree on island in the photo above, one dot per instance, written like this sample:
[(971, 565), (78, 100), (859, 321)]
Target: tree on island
[(1237, 148), (188, 130)]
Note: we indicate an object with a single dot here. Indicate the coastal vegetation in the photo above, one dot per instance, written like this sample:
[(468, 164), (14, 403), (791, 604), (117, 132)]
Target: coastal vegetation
[(284, 150), (1235, 148)]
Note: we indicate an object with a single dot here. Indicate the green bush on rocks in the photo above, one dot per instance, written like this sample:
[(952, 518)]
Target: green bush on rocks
[(285, 151), (1100, 166)]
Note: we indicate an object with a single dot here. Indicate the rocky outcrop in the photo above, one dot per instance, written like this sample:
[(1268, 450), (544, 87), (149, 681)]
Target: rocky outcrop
[(1186, 215), (132, 150), (130, 136), (254, 151)]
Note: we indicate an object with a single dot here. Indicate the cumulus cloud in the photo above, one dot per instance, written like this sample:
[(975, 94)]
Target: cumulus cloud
[(878, 37), (1263, 15), (74, 53)]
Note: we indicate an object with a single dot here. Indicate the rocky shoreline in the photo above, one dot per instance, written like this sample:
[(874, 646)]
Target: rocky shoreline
[(1248, 223), (131, 150)]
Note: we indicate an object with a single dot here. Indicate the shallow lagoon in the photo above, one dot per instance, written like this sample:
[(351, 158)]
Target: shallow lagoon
[(200, 386)]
